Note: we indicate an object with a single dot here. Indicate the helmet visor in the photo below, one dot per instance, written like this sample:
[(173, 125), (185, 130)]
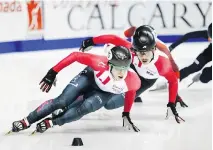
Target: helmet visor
[(120, 67), (118, 72)]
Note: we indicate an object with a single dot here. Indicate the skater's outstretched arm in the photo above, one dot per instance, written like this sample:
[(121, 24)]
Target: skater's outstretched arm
[(165, 69), (187, 36), (94, 61), (162, 47), (112, 39), (104, 39), (133, 83)]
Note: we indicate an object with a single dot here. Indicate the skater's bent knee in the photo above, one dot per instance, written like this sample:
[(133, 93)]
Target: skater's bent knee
[(206, 75), (109, 106), (61, 101), (85, 108), (204, 79)]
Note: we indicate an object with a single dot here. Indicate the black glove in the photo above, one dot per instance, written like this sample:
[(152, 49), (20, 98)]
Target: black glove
[(127, 123), (171, 108), (47, 82), (179, 100), (87, 45)]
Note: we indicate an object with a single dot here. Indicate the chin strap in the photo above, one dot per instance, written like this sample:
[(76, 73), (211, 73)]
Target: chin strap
[(152, 56), (111, 71)]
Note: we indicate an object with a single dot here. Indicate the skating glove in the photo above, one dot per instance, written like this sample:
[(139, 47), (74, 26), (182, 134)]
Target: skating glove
[(179, 100), (49, 80), (87, 45), (127, 123), (172, 110)]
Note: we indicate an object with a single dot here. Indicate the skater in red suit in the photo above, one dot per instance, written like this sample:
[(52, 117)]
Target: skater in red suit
[(148, 62), (104, 78)]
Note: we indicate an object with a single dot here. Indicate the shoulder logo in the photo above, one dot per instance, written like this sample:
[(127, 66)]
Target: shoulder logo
[(102, 64)]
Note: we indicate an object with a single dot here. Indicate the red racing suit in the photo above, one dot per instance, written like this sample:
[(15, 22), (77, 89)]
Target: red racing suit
[(159, 66), (103, 78)]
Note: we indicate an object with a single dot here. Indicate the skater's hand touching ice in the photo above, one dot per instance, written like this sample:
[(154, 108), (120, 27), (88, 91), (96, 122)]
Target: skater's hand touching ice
[(127, 123), (179, 100), (171, 110)]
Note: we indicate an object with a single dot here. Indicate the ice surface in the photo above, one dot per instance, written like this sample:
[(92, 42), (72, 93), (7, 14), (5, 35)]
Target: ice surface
[(101, 130)]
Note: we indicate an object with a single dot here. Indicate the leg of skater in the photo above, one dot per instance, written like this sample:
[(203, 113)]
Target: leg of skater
[(199, 63), (77, 86), (206, 75), (94, 102)]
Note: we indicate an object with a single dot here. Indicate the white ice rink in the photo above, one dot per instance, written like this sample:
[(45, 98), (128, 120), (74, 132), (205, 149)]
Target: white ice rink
[(101, 130)]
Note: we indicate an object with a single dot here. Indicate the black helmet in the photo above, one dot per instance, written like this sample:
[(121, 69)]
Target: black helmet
[(144, 39), (210, 30), (148, 27), (119, 56)]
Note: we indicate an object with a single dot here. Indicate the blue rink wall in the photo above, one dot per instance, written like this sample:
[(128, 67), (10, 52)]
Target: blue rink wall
[(41, 44)]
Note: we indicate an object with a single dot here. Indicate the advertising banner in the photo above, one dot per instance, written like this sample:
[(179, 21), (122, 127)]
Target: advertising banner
[(71, 19), (21, 20), (35, 19)]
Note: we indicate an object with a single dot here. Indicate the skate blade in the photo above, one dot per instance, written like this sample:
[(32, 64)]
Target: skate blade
[(33, 133), (9, 132), (191, 84)]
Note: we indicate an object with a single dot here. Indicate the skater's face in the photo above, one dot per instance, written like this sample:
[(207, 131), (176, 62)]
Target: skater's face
[(145, 57), (118, 73)]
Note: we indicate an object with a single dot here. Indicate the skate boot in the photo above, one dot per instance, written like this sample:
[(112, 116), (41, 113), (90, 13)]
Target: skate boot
[(20, 125), (138, 100), (57, 113), (44, 125)]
